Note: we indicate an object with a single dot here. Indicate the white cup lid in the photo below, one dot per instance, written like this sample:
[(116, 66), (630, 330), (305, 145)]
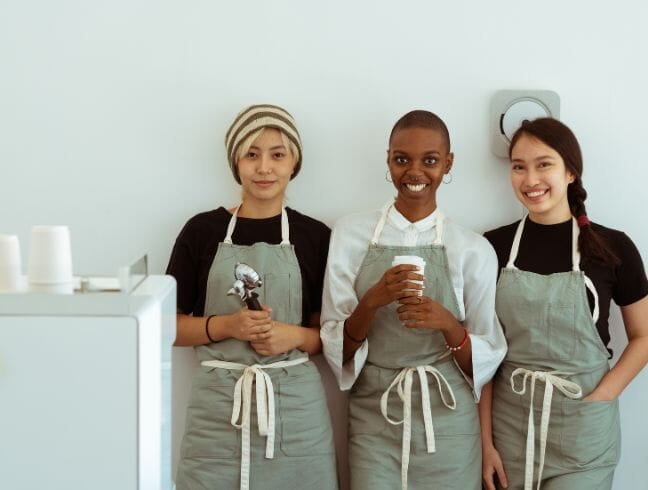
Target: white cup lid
[(409, 259)]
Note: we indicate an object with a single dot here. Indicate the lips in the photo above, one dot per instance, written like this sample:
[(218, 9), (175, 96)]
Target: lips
[(264, 183), (415, 187), (536, 195)]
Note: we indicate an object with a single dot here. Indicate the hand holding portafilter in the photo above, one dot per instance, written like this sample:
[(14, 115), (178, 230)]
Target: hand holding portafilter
[(247, 279)]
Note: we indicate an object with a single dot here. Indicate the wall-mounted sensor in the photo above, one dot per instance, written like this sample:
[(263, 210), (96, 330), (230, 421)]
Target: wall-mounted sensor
[(510, 108)]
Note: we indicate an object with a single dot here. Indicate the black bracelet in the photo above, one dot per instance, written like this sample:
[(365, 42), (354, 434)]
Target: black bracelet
[(207, 328), (346, 332)]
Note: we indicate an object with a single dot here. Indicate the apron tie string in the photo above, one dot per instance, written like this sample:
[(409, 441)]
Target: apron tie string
[(265, 405), (404, 381), (551, 379)]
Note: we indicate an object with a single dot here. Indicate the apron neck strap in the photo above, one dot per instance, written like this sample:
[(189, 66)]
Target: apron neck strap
[(515, 247), (381, 222), (576, 257), (438, 223), (440, 218), (285, 230)]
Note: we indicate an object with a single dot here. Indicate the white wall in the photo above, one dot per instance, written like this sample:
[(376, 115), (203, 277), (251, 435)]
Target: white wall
[(112, 114)]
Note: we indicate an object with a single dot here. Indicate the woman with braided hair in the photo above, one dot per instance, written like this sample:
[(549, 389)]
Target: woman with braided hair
[(551, 414)]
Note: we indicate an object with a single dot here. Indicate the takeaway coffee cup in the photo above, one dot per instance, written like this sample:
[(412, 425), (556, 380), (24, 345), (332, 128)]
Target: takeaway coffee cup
[(50, 260), (412, 260), (10, 270)]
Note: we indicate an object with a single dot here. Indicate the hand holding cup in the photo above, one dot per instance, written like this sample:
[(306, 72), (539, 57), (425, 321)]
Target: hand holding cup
[(416, 261), (424, 312), (403, 280)]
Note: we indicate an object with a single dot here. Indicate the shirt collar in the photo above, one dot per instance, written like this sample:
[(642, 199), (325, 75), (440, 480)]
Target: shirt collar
[(402, 223)]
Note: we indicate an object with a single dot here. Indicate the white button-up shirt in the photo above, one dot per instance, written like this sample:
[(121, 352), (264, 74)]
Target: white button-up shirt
[(473, 271)]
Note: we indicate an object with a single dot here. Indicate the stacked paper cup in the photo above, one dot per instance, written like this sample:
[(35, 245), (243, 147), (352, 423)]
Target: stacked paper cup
[(411, 260), (50, 260), (10, 272)]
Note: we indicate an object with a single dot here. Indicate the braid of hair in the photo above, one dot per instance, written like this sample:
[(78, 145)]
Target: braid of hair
[(591, 245)]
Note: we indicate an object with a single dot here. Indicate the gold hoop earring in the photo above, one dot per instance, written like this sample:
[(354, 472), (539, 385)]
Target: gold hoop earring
[(449, 181), (388, 177)]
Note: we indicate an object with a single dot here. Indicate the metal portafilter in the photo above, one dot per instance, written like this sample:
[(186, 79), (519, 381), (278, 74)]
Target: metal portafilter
[(247, 279)]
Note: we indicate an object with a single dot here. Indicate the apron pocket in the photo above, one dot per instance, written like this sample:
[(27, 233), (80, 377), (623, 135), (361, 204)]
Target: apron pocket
[(590, 433), (209, 433), (561, 329), (364, 402), (217, 286), (510, 416), (462, 421), (458, 428), (276, 293), (304, 417)]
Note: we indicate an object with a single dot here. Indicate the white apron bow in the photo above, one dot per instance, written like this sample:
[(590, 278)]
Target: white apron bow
[(265, 405), (551, 379), (404, 382)]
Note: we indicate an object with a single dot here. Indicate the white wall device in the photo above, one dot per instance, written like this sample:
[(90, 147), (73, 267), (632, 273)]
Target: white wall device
[(510, 108)]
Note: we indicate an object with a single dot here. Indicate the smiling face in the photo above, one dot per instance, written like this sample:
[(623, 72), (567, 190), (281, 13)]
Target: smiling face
[(540, 180), (418, 158), (265, 169)]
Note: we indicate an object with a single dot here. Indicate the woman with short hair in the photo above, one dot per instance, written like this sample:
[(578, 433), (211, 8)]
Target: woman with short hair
[(415, 346), (289, 439)]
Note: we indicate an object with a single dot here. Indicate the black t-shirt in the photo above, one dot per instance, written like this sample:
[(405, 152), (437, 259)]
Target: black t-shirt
[(198, 241), (545, 249)]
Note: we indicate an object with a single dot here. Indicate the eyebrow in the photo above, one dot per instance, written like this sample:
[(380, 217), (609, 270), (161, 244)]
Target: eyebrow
[(427, 152), (538, 159), (278, 147)]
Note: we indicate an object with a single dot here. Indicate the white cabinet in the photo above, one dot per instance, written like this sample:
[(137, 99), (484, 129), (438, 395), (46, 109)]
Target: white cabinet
[(85, 389)]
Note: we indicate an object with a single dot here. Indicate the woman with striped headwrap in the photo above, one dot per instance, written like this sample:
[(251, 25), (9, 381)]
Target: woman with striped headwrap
[(239, 347)]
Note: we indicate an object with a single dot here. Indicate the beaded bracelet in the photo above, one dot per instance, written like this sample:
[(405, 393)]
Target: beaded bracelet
[(461, 345), (207, 328)]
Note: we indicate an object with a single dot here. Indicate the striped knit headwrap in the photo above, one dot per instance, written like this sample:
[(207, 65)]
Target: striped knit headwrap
[(254, 118)]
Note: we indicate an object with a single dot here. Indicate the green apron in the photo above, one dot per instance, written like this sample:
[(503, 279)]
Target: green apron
[(552, 339), (394, 442), (220, 450)]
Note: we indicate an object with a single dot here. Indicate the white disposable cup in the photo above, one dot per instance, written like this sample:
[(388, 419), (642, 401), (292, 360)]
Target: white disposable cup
[(50, 257), (411, 260), (10, 264)]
